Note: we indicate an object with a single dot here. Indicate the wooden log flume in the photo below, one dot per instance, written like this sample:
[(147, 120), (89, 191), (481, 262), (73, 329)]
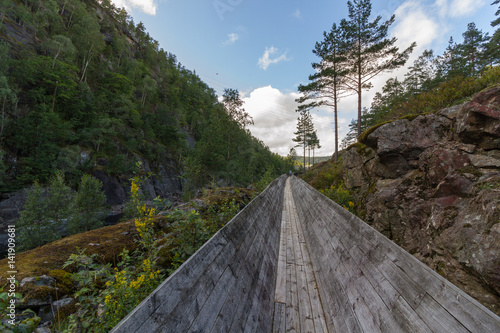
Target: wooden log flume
[(293, 260)]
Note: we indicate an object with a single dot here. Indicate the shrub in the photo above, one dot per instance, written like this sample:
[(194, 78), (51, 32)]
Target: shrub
[(26, 325), (189, 232), (88, 205), (44, 213), (341, 196)]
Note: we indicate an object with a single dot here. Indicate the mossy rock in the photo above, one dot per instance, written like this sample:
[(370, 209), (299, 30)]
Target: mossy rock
[(225, 195), (471, 170), (363, 136), (64, 283), (107, 242)]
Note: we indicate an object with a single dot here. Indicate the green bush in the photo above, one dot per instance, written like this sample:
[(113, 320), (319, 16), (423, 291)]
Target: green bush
[(88, 206), (189, 232), (26, 325), (341, 196), (44, 212)]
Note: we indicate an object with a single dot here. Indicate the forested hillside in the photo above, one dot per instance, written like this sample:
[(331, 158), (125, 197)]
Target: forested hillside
[(83, 89)]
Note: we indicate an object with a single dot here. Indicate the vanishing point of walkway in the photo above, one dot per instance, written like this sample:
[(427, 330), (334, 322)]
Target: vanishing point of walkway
[(305, 265)]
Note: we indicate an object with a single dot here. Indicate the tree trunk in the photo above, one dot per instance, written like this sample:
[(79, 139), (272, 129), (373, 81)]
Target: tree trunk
[(335, 108), (309, 152), (359, 102), (3, 118)]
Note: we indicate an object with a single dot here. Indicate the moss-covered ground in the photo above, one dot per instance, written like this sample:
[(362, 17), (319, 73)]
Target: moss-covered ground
[(107, 242)]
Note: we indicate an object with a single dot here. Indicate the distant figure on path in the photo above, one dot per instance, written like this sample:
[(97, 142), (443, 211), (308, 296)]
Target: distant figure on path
[(289, 173)]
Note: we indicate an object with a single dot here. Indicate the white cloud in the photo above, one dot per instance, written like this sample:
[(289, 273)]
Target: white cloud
[(146, 6), (297, 14), (265, 61), (275, 121), (231, 39), (458, 8), (410, 15)]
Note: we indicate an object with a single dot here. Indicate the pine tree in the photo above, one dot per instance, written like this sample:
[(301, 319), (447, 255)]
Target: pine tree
[(234, 108), (328, 84), (314, 142), (472, 49), (88, 205), (493, 47), (304, 128), (370, 51), (421, 75), (450, 64)]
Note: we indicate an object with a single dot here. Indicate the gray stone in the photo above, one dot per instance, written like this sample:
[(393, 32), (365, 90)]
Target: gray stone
[(483, 161), (39, 281)]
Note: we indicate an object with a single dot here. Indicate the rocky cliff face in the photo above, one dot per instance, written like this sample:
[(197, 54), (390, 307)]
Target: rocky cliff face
[(432, 184)]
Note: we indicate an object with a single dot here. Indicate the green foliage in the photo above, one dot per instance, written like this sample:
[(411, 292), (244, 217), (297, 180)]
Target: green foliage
[(88, 206), (340, 195), (218, 216), (26, 325), (124, 288), (58, 200), (266, 179), (43, 213), (87, 86), (189, 232), (87, 275)]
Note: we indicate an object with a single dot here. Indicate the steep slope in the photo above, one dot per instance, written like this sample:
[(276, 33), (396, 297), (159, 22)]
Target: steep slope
[(432, 184), (83, 89)]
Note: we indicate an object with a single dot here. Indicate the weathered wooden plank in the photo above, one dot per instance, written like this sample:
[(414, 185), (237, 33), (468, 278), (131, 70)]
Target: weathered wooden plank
[(149, 313), (437, 318), (292, 302), (323, 256), (312, 287), (205, 319), (280, 293), (400, 281), (192, 299), (279, 324), (305, 311), (260, 315), (250, 279)]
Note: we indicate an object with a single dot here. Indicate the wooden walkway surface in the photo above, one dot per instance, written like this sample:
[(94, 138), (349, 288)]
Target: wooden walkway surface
[(297, 305), (295, 261)]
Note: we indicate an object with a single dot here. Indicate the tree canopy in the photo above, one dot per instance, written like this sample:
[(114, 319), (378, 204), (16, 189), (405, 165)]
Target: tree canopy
[(83, 78)]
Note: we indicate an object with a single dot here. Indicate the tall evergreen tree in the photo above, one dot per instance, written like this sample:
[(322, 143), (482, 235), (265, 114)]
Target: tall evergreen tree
[(314, 143), (473, 49), (328, 83), (493, 47), (421, 75), (450, 63), (234, 108), (304, 128), (371, 52)]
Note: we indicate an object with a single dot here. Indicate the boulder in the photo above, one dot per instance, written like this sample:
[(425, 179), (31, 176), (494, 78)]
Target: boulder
[(436, 191), (479, 120)]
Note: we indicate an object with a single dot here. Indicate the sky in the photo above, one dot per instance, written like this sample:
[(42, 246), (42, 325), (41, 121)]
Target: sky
[(264, 49)]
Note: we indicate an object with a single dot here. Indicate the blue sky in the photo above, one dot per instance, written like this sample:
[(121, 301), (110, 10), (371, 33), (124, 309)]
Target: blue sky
[(264, 48)]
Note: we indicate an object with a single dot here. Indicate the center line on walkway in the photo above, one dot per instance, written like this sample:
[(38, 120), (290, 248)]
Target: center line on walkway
[(297, 306)]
